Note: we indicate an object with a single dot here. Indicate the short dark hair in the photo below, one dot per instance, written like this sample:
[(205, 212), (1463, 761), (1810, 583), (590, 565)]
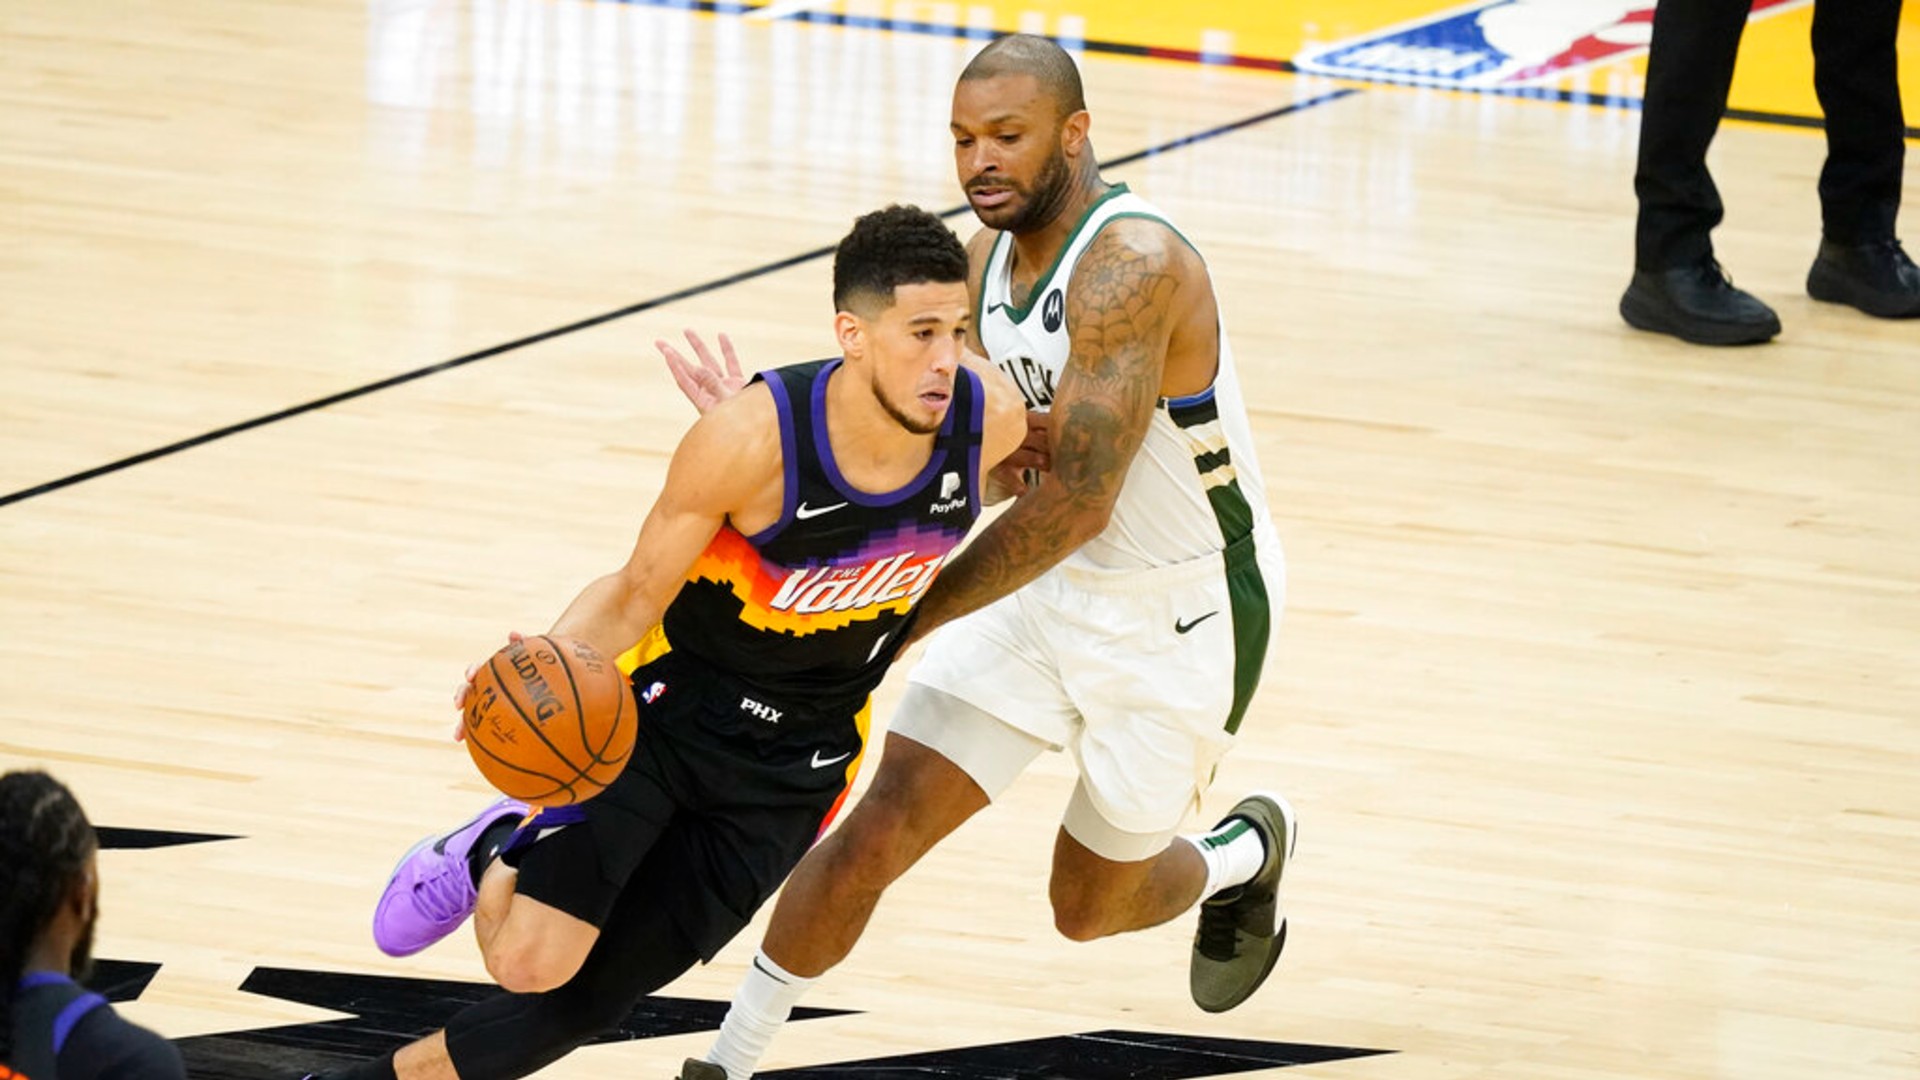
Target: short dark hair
[(1030, 54), (901, 245), (45, 842)]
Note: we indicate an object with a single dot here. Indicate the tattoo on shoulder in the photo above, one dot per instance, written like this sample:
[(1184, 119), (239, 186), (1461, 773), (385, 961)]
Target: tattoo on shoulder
[(1119, 314)]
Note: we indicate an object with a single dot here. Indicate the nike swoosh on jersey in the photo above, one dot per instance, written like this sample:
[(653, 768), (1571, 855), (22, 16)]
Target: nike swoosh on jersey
[(1182, 627), (819, 764), (803, 511)]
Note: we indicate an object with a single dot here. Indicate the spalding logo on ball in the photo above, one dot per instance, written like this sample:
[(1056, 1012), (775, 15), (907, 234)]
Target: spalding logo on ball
[(550, 721)]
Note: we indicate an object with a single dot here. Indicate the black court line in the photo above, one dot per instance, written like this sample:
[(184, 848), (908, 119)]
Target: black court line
[(403, 378), (618, 313), (1215, 132)]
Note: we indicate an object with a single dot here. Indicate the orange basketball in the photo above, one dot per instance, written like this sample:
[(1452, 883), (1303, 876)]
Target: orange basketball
[(550, 721)]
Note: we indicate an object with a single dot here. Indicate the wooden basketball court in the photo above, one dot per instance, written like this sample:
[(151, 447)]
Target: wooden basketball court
[(326, 327)]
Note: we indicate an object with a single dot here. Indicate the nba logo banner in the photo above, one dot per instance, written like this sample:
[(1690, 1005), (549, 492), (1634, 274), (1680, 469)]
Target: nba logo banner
[(1499, 44)]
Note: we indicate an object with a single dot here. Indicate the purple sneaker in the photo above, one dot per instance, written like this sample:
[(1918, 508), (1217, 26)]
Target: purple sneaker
[(431, 892)]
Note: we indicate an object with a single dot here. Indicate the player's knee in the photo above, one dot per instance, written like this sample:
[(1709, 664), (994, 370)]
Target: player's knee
[(1088, 906), (874, 848), (917, 797), (1081, 918), (524, 968), (863, 859)]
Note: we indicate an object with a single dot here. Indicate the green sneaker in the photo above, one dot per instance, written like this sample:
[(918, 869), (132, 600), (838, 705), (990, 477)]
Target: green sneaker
[(1241, 930), (695, 1069)]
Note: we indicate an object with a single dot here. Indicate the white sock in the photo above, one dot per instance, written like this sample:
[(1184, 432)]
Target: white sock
[(765, 998), (1233, 853)]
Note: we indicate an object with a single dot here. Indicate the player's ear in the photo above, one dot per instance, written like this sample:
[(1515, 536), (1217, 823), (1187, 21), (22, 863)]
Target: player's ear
[(84, 897), (851, 331), (1073, 132)]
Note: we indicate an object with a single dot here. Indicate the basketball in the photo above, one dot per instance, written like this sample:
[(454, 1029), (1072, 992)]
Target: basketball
[(550, 721)]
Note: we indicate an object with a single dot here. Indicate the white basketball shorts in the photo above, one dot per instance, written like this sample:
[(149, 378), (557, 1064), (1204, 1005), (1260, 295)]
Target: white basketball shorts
[(1143, 675)]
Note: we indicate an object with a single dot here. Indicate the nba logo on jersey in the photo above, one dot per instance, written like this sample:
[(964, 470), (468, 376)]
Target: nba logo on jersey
[(652, 693), (1497, 44)]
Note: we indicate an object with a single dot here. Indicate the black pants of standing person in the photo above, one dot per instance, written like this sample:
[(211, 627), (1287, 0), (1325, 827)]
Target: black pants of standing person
[(1689, 70), (1678, 287)]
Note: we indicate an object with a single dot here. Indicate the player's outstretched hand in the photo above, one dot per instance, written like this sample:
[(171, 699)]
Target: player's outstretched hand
[(709, 383), (460, 693)]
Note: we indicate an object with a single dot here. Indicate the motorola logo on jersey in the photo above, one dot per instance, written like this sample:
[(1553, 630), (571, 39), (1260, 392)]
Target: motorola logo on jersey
[(850, 588), (1053, 311)]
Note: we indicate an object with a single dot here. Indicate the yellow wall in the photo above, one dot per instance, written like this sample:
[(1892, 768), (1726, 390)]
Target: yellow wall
[(1775, 72)]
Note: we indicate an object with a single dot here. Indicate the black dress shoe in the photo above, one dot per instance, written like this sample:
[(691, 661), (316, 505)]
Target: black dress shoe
[(1877, 277), (1697, 303)]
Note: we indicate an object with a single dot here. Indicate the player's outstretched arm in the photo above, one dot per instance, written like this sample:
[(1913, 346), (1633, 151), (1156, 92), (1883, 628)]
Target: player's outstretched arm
[(723, 466), (1121, 312)]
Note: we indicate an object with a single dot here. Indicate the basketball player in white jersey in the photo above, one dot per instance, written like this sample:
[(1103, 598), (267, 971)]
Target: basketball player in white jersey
[(1148, 579)]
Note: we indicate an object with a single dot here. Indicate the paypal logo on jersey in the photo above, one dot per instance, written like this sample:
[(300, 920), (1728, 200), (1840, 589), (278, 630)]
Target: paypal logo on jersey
[(949, 487), (1498, 44)]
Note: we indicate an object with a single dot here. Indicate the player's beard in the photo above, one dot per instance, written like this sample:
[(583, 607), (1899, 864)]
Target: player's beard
[(902, 417), (1036, 209)]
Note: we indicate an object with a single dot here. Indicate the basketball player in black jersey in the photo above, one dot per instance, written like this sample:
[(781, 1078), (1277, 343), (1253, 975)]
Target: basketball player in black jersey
[(51, 1027), (771, 585)]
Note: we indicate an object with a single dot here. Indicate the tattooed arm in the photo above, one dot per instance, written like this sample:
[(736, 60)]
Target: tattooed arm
[(1121, 310)]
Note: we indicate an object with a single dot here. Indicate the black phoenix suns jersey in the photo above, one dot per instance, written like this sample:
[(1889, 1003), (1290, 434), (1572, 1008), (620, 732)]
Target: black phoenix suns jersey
[(813, 607)]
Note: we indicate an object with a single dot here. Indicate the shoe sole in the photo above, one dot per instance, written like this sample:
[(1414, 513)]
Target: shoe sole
[(1829, 288), (1290, 828), (1642, 316)]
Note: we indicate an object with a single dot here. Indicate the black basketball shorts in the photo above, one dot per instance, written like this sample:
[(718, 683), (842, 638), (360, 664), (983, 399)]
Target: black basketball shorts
[(725, 791)]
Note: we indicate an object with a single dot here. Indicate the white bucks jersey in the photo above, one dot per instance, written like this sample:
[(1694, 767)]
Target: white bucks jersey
[(1194, 487)]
